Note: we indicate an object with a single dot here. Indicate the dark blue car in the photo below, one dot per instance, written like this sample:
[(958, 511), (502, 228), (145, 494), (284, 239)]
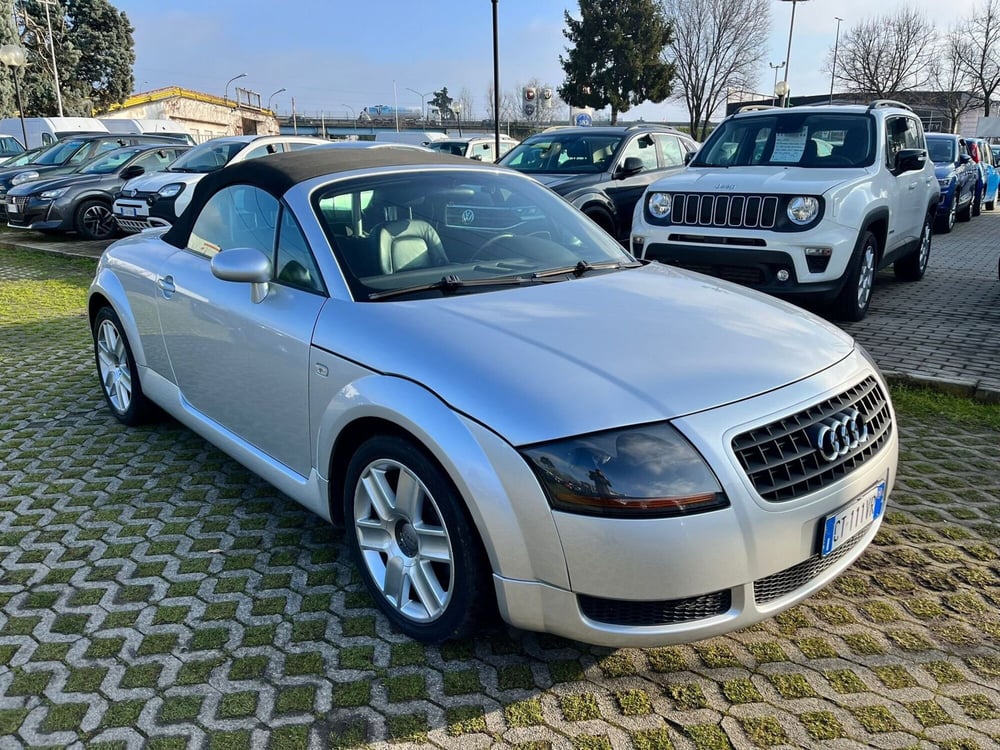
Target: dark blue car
[(957, 175)]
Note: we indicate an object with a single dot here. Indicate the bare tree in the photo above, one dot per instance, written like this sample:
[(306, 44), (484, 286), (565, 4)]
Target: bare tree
[(980, 55), (717, 45), (466, 100), (955, 85), (888, 55)]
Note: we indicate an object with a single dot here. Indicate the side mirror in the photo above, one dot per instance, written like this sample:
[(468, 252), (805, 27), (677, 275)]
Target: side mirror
[(244, 265), (632, 165), (133, 171), (689, 156), (964, 159), (910, 160)]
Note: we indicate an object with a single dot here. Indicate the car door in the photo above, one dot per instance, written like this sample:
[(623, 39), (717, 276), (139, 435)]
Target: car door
[(906, 191), (624, 191), (245, 364)]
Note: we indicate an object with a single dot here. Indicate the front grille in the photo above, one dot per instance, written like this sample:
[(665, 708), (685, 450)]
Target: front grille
[(639, 613), (780, 460), (730, 211), (786, 581), (18, 216), (131, 225)]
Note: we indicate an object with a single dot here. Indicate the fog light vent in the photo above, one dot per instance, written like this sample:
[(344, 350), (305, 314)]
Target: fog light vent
[(639, 613)]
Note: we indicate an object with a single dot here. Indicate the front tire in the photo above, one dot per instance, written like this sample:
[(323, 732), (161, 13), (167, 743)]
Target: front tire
[(854, 299), (117, 371), (912, 267), (411, 538), (94, 220)]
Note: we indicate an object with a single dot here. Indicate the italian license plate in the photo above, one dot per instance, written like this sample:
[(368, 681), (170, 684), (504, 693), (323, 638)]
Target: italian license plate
[(12, 208), (845, 523)]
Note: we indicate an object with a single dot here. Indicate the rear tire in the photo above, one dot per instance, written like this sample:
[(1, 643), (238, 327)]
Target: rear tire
[(854, 299), (977, 203), (965, 214), (944, 224), (913, 266), (413, 542)]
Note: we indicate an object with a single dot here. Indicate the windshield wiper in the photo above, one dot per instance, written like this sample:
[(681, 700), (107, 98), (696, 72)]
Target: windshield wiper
[(583, 267), (451, 283)]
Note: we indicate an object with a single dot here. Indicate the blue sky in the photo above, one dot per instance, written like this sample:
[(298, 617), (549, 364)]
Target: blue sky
[(333, 56)]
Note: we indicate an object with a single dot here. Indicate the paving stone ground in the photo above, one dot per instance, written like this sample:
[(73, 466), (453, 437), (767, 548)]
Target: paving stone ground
[(153, 593)]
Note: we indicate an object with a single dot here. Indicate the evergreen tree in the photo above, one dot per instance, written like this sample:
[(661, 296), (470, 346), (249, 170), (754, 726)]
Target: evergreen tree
[(443, 103), (617, 56)]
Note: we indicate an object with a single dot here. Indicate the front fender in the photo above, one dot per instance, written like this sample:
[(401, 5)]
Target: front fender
[(503, 497), (107, 289)]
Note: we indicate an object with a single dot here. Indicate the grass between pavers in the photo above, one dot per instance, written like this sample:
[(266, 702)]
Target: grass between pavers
[(245, 588)]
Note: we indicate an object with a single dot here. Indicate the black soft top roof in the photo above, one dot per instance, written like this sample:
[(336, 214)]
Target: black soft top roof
[(278, 173)]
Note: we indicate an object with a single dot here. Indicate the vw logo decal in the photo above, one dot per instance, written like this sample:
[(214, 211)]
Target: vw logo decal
[(468, 216), (838, 435)]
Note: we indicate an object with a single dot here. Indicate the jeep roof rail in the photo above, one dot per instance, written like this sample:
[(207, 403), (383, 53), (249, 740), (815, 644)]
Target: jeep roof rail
[(889, 103), (756, 107)]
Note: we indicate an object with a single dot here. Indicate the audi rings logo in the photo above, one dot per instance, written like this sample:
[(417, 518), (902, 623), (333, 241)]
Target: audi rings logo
[(837, 436)]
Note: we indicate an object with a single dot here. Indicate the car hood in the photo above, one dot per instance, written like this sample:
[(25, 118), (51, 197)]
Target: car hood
[(564, 183), (152, 182), (783, 181), (52, 183), (589, 354)]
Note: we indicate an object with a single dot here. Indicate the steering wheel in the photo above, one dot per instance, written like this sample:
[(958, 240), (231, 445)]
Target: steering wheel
[(478, 254)]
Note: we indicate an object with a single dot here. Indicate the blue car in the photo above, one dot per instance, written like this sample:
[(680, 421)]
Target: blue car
[(957, 174), (989, 176)]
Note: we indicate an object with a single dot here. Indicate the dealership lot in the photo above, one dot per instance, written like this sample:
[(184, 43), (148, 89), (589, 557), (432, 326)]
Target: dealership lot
[(154, 593)]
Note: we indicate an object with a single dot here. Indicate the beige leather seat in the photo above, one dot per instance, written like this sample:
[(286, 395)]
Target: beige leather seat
[(409, 243)]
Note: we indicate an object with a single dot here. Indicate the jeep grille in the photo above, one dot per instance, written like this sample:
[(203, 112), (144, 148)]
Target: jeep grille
[(731, 211)]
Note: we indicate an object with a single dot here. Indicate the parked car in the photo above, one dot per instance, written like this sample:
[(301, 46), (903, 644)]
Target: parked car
[(478, 147), (25, 157), (958, 177), (987, 178), (157, 200), (602, 171), (432, 351), (81, 201), (806, 203), (66, 155), (10, 147)]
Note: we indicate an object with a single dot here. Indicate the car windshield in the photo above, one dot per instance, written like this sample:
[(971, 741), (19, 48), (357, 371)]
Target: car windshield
[(564, 152), (60, 152), (791, 139), (475, 230), (458, 148), (941, 150), (207, 157), (109, 162)]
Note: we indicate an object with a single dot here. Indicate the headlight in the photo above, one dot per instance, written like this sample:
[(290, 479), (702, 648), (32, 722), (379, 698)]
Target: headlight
[(637, 472), (802, 210), (23, 177), (659, 205), (945, 183), (52, 194), (169, 191)]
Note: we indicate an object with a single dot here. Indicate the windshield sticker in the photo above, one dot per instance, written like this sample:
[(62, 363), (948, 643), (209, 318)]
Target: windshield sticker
[(788, 147)]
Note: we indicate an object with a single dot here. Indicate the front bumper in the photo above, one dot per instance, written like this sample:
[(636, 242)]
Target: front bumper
[(34, 213), (710, 573), (141, 211)]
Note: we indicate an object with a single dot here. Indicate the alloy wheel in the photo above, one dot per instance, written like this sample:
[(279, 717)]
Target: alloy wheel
[(98, 221), (866, 275), (113, 363)]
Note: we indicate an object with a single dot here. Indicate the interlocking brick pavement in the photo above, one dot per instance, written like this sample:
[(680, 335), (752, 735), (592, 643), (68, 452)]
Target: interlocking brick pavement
[(153, 593)]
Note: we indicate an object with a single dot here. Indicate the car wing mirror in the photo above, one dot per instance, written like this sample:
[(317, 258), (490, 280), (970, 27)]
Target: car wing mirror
[(632, 165), (689, 156), (910, 160), (964, 159), (244, 265), (133, 171)]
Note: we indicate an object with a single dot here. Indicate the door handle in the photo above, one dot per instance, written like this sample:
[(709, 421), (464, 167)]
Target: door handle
[(166, 284)]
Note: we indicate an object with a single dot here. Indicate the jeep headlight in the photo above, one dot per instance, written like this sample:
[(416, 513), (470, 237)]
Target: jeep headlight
[(650, 471), (171, 190), (946, 182), (659, 205), (803, 209), (24, 177)]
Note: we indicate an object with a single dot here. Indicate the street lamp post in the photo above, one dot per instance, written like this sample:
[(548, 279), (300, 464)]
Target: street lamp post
[(353, 117), (496, 84), (788, 53), (775, 68), (833, 70), (13, 56), (52, 48), (457, 110), (234, 78), (274, 95), (423, 111)]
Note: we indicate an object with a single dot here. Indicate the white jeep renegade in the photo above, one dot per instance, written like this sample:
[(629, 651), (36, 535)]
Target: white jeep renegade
[(806, 201)]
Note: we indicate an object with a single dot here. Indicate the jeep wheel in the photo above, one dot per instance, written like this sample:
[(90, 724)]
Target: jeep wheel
[(990, 205), (946, 223), (853, 301), (965, 214), (977, 204), (911, 267)]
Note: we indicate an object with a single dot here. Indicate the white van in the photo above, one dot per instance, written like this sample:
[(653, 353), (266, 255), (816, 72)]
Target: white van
[(165, 126), (43, 131)]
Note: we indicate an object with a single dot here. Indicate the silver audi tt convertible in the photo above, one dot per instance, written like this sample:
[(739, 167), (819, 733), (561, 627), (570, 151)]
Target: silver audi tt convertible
[(504, 409)]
